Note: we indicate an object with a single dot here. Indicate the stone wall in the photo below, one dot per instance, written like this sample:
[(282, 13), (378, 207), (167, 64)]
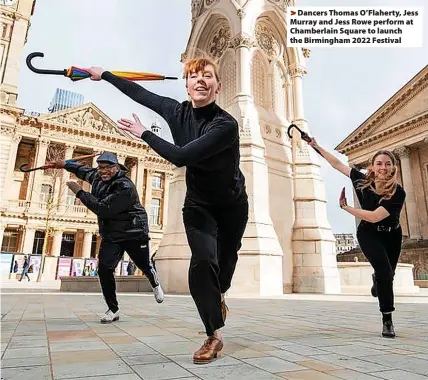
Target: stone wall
[(413, 252)]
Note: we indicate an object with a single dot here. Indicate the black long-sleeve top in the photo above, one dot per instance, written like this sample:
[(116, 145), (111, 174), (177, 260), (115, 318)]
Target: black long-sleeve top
[(206, 141)]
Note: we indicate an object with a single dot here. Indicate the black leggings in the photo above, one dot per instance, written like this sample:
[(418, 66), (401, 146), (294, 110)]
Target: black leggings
[(110, 255), (214, 237), (382, 249)]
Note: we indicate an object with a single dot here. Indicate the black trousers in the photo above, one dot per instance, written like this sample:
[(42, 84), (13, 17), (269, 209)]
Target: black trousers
[(382, 249), (109, 256), (214, 237)]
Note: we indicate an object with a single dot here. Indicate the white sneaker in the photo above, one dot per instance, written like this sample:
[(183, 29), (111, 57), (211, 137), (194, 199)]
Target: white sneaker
[(110, 317), (158, 292)]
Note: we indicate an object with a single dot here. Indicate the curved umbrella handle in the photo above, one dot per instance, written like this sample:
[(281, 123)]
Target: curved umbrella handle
[(303, 135), (24, 168), (42, 71)]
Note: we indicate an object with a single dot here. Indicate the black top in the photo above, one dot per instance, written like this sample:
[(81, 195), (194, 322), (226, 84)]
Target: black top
[(206, 142), (116, 204), (369, 200)]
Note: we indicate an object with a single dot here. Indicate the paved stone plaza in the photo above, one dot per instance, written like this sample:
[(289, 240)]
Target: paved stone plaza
[(53, 335)]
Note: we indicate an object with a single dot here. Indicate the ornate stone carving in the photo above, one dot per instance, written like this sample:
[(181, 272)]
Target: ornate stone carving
[(86, 119), (278, 132), (402, 152), (268, 129), (219, 42), (242, 40), (267, 40), (296, 69), (16, 138), (306, 53), (44, 142), (426, 140), (199, 7), (241, 13), (183, 57), (282, 4), (6, 131)]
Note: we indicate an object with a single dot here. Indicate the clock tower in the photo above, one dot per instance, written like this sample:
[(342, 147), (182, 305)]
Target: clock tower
[(15, 22)]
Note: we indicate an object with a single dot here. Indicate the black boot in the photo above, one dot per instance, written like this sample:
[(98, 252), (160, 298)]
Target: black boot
[(374, 286), (388, 327)]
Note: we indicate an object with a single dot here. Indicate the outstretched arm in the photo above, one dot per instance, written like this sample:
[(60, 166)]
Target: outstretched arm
[(111, 205), (221, 135), (85, 173), (162, 105), (332, 160)]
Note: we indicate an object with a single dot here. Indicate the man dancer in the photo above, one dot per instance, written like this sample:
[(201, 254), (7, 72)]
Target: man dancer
[(122, 222)]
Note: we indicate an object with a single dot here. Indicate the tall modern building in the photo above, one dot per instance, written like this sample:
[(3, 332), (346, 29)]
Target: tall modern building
[(64, 99)]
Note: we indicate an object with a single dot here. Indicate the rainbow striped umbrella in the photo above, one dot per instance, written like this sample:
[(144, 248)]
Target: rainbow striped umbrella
[(76, 73)]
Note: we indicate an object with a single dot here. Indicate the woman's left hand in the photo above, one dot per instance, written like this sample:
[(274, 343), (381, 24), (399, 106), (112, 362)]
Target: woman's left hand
[(135, 127)]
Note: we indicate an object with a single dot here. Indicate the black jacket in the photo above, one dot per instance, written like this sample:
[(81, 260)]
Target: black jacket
[(116, 204)]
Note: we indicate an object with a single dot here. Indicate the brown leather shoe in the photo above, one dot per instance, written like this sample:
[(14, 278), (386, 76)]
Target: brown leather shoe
[(210, 350), (224, 310)]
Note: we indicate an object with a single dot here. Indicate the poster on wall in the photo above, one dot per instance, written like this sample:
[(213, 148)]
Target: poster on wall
[(124, 268), (6, 264), (90, 267), (77, 267), (64, 267), (35, 261)]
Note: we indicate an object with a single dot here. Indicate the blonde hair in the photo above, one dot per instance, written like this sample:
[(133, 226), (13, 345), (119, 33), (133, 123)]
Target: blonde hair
[(197, 64), (388, 186)]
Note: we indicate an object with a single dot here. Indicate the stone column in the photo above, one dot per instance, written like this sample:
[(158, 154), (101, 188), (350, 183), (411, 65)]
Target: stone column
[(139, 177), (35, 189), (87, 244), (133, 174), (56, 243), (412, 212), (13, 150), (148, 194), (121, 158), (165, 201), (314, 249), (69, 150), (2, 228), (27, 247)]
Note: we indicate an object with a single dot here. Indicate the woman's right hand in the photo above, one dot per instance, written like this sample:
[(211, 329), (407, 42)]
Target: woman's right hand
[(313, 143), (95, 72)]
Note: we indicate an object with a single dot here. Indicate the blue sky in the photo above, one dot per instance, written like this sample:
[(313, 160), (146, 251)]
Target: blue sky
[(343, 86)]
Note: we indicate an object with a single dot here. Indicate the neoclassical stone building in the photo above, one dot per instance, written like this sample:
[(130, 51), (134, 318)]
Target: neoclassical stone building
[(401, 125), (32, 202), (26, 196)]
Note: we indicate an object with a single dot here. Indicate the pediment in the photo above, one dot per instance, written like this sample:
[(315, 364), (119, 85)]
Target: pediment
[(415, 105), (406, 106), (88, 117)]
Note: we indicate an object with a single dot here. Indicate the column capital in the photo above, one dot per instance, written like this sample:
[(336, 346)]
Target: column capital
[(16, 138), (70, 146), (169, 175), (151, 171), (296, 70), (242, 40), (141, 160), (30, 228), (3, 226), (402, 152), (426, 140), (44, 142)]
